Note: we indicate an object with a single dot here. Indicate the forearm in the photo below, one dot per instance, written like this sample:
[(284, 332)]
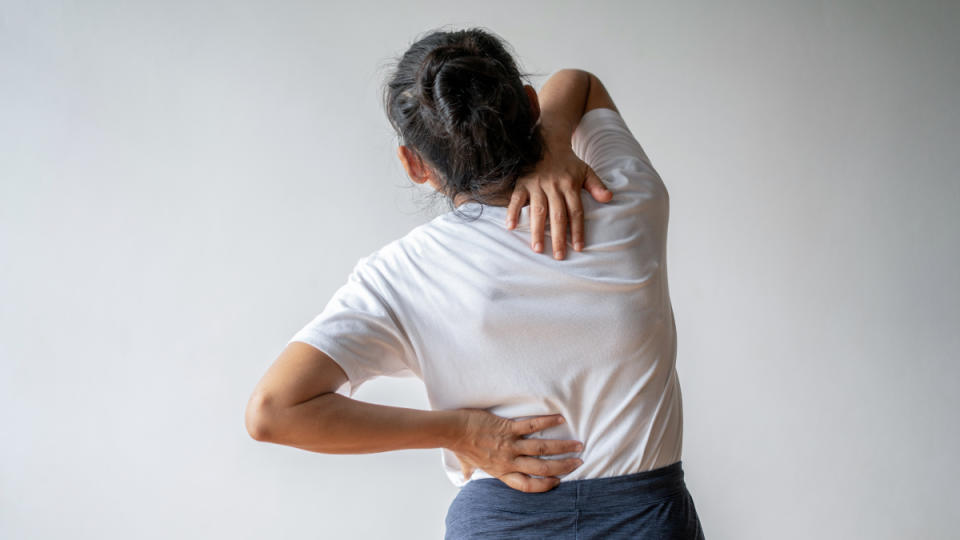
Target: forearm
[(332, 423), (563, 99)]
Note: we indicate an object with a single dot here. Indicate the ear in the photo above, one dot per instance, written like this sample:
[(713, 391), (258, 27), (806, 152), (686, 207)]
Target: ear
[(413, 165), (534, 102)]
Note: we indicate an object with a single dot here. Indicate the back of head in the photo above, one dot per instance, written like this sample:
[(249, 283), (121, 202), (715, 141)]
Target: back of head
[(458, 101)]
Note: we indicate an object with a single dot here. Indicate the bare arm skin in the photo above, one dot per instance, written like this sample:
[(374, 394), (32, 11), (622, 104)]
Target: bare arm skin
[(295, 404), (566, 96), (555, 185)]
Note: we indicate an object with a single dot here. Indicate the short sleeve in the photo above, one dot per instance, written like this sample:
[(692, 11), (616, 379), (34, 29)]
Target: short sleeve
[(360, 331), (603, 140)]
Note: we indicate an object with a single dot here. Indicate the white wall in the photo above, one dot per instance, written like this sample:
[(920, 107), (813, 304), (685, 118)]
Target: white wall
[(183, 186)]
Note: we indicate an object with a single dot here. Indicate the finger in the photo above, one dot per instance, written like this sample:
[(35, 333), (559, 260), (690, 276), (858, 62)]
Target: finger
[(545, 447), (595, 186), (538, 214), (558, 222), (517, 199), (522, 482), (575, 208), (535, 424), (546, 467)]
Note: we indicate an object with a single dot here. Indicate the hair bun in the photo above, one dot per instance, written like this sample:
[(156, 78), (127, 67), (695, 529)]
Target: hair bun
[(458, 100), (455, 83)]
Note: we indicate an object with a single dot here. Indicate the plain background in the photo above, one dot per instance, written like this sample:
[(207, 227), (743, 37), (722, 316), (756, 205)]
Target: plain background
[(184, 185)]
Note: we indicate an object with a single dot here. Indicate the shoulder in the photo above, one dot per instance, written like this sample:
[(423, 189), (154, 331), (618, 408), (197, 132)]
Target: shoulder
[(594, 122), (598, 117), (423, 248), (401, 256)]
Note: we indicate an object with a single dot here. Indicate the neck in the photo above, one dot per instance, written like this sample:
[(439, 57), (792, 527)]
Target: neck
[(498, 200)]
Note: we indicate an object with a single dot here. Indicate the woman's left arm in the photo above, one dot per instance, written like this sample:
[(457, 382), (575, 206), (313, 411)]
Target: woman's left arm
[(296, 404)]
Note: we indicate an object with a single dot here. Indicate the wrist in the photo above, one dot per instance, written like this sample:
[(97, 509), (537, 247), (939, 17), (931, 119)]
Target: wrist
[(451, 428), (557, 134)]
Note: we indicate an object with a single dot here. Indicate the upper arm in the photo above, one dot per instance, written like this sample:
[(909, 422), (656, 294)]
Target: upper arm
[(604, 141), (301, 372), (597, 96)]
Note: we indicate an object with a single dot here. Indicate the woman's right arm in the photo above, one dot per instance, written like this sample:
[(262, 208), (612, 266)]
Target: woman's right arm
[(563, 102), (566, 96)]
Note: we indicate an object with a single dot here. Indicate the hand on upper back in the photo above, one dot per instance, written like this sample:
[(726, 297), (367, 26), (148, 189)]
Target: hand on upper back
[(498, 446), (554, 187)]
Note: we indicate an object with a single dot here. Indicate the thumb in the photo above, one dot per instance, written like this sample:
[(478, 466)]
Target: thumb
[(595, 186), (467, 470)]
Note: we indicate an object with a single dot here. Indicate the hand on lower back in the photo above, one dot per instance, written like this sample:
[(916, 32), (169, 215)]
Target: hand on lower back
[(498, 446)]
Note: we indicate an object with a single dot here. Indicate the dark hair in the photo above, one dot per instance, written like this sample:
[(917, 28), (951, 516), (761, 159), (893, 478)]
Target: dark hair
[(457, 100)]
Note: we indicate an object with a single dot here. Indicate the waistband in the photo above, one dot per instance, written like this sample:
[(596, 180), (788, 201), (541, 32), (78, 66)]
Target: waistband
[(590, 493)]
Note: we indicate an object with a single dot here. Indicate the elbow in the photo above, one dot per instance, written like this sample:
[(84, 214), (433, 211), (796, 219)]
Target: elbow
[(257, 417)]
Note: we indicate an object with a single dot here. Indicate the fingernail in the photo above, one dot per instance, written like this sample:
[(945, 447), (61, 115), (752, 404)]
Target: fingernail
[(558, 255), (579, 447), (538, 246), (510, 223), (560, 419), (579, 246)]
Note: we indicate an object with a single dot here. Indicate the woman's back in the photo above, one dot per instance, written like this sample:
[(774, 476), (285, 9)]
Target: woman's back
[(487, 323)]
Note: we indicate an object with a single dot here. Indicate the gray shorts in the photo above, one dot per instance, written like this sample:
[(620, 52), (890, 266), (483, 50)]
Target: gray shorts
[(651, 504)]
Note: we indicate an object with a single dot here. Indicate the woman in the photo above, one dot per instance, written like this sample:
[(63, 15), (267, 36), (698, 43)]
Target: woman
[(552, 383)]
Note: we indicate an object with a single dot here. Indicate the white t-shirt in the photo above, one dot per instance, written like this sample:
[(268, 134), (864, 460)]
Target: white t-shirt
[(486, 322)]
